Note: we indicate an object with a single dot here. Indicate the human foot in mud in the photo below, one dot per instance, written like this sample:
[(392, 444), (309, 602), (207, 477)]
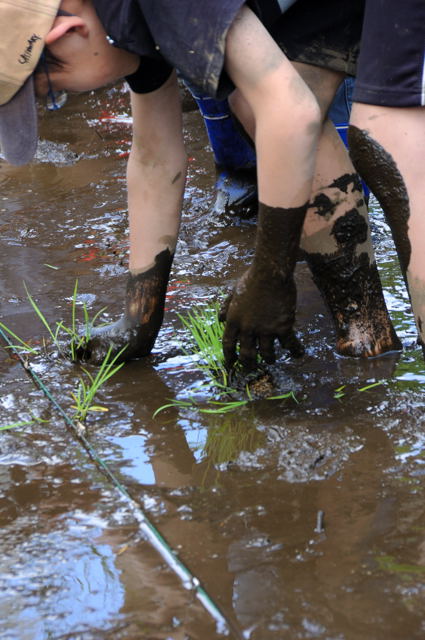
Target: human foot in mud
[(136, 331)]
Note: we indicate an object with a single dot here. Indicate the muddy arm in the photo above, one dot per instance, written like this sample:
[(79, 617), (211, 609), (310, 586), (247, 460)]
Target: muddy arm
[(286, 126), (155, 175)]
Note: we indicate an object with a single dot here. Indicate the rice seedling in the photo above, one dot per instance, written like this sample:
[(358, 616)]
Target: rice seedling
[(217, 407), (52, 333), (342, 391), (339, 392), (22, 423), (206, 332), (87, 388), (78, 339), (89, 385), (20, 344), (371, 386)]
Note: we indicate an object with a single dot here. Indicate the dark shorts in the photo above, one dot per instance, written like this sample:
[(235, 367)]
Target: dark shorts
[(322, 33), (391, 66), (191, 35)]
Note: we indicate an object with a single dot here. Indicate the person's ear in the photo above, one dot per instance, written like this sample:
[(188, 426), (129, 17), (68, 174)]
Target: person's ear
[(65, 24)]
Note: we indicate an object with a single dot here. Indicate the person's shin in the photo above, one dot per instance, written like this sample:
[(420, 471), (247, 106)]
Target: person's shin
[(379, 168), (337, 247)]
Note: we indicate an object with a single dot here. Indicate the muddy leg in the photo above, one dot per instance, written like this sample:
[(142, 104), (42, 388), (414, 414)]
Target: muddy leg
[(137, 329), (389, 155), (336, 236), (338, 249)]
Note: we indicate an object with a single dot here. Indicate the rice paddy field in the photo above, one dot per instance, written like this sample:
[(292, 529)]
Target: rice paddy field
[(300, 517)]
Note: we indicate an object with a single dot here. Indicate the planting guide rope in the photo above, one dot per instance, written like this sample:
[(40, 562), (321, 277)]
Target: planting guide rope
[(189, 581)]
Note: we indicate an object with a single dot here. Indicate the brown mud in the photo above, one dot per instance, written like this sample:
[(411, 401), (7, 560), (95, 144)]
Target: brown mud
[(238, 496)]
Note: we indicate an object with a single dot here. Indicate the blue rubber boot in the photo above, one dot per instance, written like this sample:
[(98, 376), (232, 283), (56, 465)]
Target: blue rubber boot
[(236, 186)]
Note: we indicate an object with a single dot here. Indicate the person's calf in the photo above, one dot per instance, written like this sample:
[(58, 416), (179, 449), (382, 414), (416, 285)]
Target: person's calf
[(337, 247), (379, 168)]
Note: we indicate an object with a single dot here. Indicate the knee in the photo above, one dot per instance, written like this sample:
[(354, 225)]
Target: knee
[(311, 116)]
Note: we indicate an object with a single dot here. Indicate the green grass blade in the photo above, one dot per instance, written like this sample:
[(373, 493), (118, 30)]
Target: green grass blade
[(22, 343), (73, 308), (371, 386), (39, 313)]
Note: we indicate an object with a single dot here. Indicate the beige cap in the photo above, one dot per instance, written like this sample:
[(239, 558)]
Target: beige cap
[(23, 26)]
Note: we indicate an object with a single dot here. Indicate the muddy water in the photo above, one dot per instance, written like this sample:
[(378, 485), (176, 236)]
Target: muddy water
[(238, 496)]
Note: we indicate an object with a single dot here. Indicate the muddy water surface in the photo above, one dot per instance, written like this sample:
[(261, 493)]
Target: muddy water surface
[(238, 496)]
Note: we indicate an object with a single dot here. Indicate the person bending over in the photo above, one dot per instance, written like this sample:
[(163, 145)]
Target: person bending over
[(219, 47)]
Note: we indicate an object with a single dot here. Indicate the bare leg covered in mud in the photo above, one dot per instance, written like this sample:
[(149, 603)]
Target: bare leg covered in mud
[(336, 236), (387, 131), (287, 123), (337, 246), (387, 145), (155, 175), (286, 126)]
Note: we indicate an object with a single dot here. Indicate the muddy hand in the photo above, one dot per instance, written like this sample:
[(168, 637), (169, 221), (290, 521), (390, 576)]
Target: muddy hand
[(258, 313), (120, 336), (136, 331)]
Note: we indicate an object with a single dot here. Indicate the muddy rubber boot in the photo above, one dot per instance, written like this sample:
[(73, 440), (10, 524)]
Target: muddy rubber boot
[(137, 329)]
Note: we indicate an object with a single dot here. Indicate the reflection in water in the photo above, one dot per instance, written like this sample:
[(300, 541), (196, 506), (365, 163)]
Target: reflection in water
[(135, 461), (54, 579), (228, 436)]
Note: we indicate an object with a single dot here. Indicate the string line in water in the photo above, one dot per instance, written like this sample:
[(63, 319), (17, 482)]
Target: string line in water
[(151, 533)]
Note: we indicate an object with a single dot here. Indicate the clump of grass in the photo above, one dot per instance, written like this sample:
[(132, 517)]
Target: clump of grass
[(89, 385), (206, 332), (88, 388)]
